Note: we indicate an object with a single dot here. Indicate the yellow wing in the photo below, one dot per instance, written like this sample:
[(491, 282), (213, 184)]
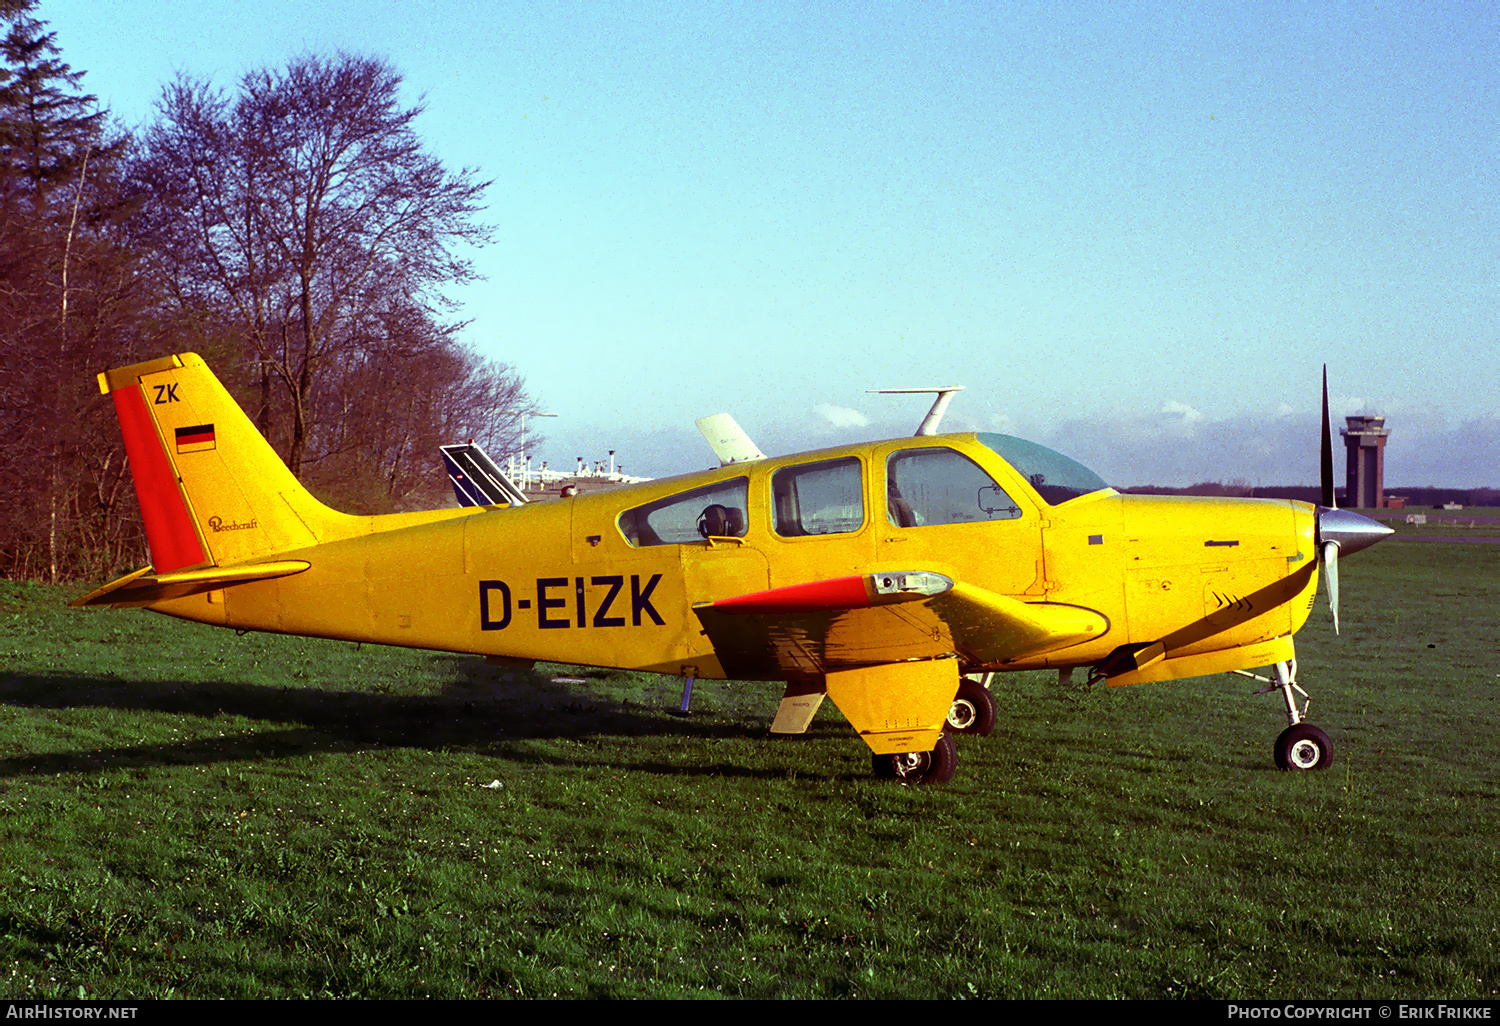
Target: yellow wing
[(808, 630)]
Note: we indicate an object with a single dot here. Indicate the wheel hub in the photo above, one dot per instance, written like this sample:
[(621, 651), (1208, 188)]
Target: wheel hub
[(910, 764), (1304, 755), (963, 714)]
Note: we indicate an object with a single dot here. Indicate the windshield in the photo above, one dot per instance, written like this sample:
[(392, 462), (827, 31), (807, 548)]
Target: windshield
[(1055, 477)]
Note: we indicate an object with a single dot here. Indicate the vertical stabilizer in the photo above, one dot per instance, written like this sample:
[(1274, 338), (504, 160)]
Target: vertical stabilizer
[(211, 488), (475, 478), (728, 440)]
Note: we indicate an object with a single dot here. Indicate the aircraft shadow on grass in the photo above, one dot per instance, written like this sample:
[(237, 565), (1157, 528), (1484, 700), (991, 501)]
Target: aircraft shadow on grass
[(476, 714)]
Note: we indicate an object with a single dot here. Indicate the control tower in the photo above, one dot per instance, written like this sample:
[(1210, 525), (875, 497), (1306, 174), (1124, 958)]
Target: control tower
[(1364, 480)]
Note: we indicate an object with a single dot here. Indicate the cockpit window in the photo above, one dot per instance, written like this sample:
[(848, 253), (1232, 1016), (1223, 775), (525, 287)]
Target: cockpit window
[(1055, 477), (940, 486), (715, 511), (819, 498)]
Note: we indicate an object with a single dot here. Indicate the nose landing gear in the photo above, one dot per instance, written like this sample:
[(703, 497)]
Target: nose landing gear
[(1301, 746)]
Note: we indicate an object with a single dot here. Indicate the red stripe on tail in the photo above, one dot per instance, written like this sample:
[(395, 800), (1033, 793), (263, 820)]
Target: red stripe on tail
[(169, 527)]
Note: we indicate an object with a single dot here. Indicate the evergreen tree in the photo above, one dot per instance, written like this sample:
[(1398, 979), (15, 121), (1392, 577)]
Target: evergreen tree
[(68, 296), (48, 130)]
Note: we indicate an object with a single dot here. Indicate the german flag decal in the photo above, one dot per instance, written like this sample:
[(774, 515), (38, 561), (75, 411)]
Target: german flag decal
[(199, 438)]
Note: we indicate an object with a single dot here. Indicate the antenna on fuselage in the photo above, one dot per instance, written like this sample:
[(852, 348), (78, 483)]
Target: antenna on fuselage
[(939, 405)]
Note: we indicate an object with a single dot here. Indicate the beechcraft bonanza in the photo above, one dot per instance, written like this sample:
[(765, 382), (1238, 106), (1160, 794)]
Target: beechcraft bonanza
[(892, 577)]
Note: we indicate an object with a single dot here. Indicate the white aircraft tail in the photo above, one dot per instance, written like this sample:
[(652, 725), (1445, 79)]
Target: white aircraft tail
[(944, 396), (728, 440)]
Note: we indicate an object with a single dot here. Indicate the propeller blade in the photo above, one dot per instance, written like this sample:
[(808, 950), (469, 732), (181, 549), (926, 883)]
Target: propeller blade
[(1331, 578), (1326, 462), (1339, 530)]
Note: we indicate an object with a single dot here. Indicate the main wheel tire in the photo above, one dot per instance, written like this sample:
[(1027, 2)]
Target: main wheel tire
[(1303, 747), (934, 767), (973, 710)]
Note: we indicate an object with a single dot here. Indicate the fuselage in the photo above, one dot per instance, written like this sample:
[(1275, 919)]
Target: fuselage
[(611, 578)]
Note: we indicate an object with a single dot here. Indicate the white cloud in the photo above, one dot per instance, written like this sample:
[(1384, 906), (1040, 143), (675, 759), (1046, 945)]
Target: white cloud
[(841, 416), (1184, 413)]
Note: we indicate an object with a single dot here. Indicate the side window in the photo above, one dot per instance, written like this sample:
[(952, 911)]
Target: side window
[(941, 486), (717, 511), (819, 498)]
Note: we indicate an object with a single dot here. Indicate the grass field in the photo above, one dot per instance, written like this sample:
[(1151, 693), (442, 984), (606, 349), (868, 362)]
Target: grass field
[(1479, 524), (185, 812)]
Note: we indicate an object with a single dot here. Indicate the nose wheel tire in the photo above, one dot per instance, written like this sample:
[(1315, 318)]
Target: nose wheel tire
[(934, 767), (1303, 747)]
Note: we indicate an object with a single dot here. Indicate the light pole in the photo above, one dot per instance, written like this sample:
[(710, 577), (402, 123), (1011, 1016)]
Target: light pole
[(526, 456)]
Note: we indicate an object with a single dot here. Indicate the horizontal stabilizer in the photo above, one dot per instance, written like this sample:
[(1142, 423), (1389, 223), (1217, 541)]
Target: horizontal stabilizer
[(143, 586), (476, 479)]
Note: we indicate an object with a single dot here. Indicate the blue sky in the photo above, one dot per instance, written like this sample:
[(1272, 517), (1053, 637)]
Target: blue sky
[(1133, 232)]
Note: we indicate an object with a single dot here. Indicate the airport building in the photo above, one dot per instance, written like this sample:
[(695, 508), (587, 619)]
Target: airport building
[(1364, 445)]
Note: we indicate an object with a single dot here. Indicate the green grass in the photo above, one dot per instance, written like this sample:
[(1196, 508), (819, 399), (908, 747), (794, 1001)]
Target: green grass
[(185, 812)]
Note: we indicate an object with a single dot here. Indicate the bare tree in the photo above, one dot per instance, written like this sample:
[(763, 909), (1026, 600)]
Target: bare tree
[(298, 213), (384, 458)]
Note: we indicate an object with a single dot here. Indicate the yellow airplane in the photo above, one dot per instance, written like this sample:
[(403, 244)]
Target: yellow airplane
[(892, 577)]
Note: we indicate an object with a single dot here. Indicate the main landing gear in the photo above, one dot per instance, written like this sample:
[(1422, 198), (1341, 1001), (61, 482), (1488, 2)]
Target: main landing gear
[(973, 710), (934, 767), (1301, 746), (973, 713)]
